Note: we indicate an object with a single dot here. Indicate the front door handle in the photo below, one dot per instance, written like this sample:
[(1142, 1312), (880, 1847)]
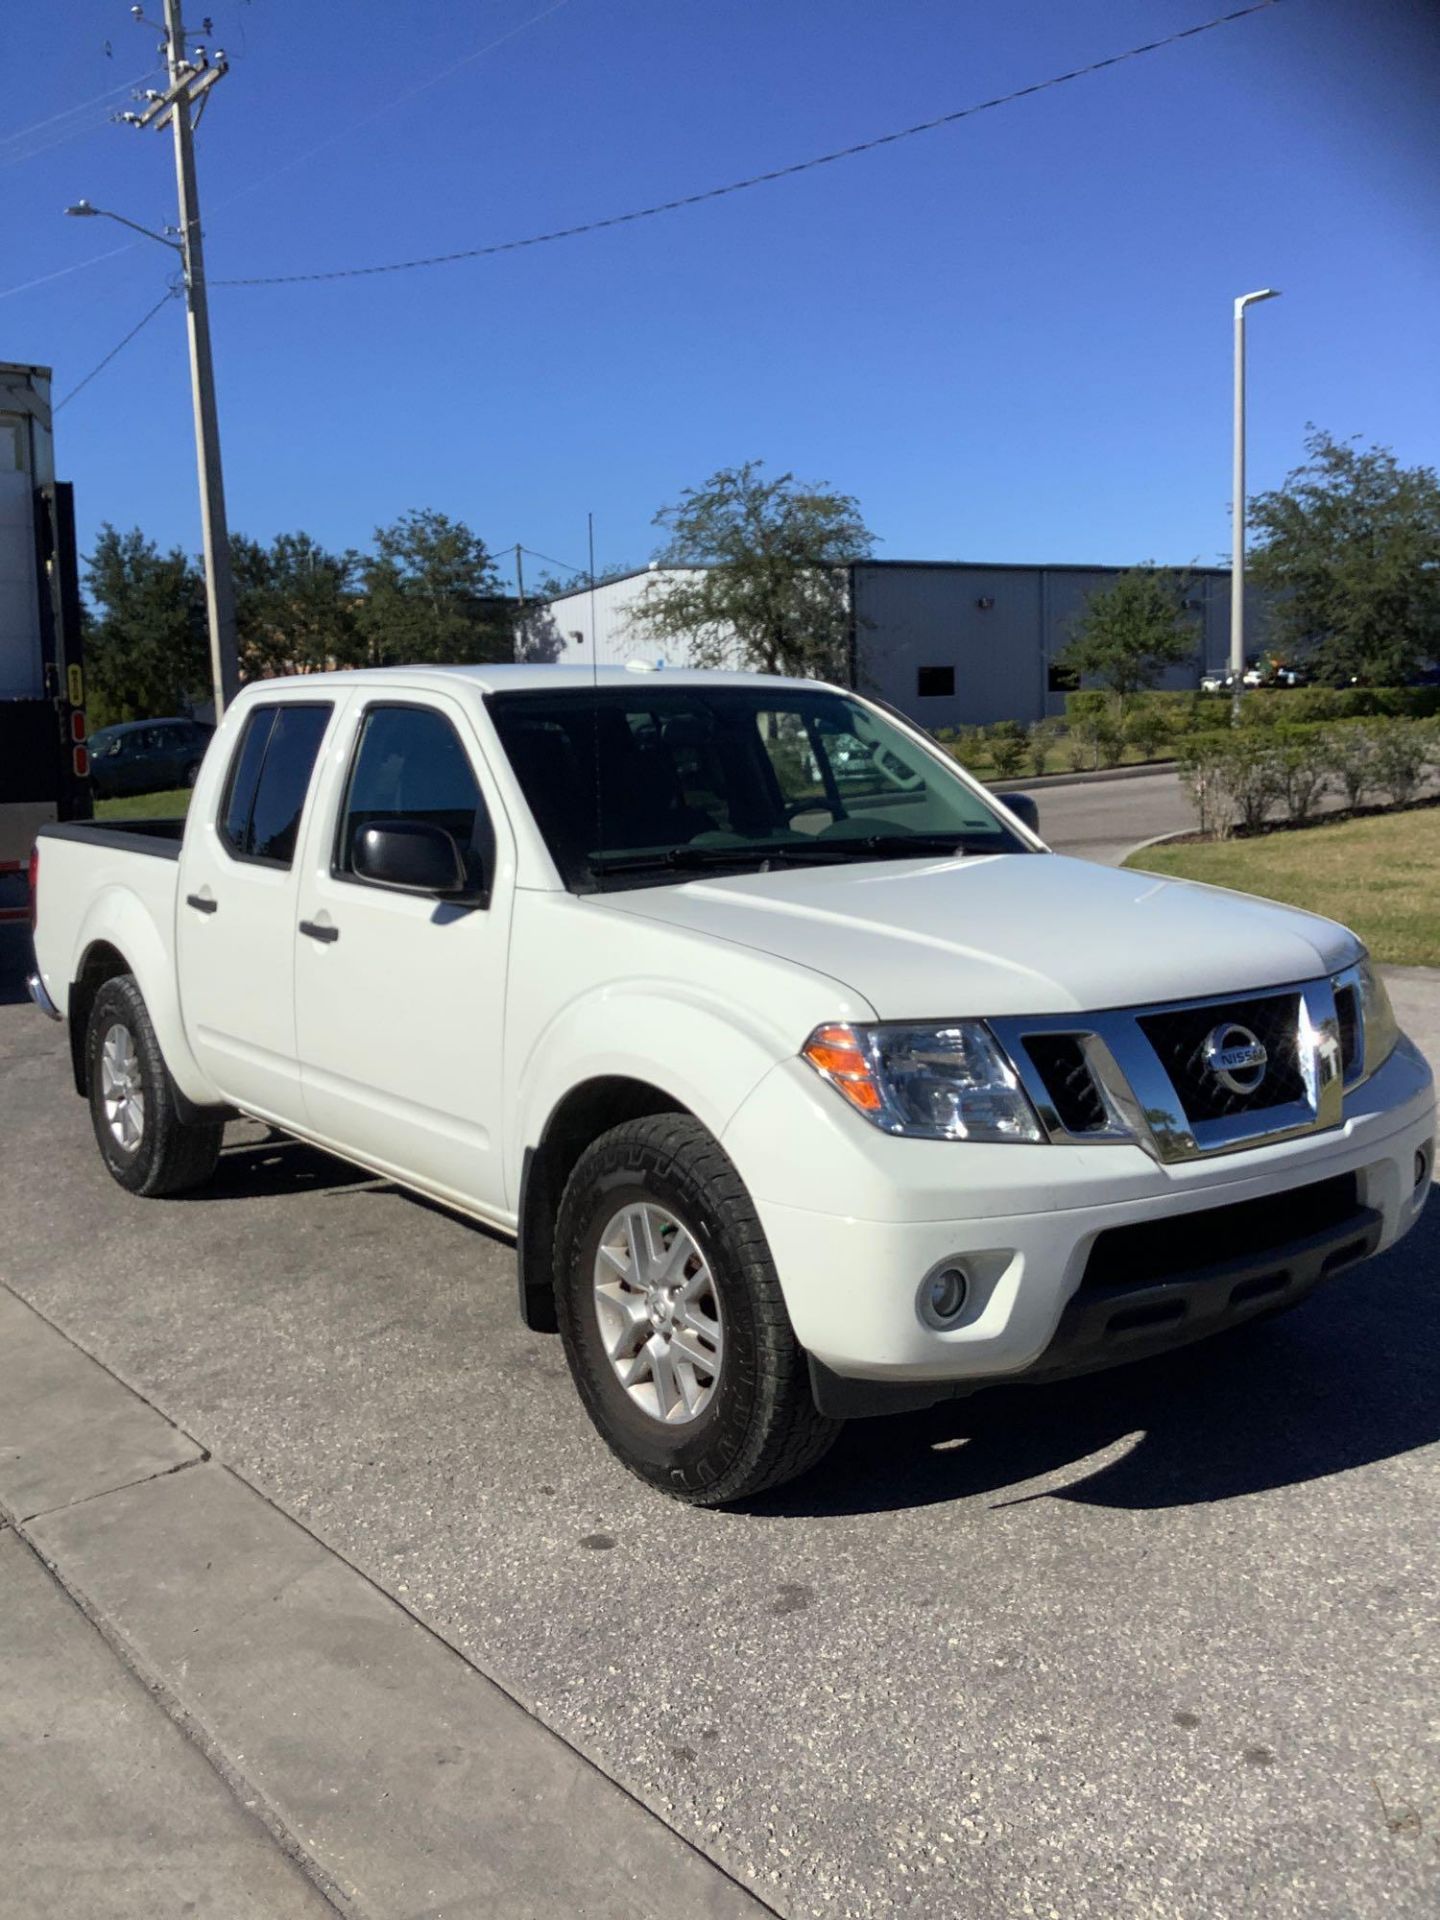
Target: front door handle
[(201, 904), (314, 931)]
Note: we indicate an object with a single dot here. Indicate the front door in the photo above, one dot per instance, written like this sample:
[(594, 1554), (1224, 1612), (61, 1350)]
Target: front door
[(400, 996)]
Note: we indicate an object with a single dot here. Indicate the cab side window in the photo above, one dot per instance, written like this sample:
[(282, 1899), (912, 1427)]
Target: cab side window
[(269, 778), (410, 765)]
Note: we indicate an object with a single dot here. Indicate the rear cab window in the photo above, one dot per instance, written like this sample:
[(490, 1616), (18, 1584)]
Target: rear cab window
[(269, 778)]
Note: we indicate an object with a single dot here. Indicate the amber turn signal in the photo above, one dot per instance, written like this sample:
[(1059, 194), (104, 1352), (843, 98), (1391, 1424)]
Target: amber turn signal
[(836, 1052)]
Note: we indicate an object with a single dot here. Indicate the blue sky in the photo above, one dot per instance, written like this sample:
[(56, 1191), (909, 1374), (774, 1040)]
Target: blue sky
[(1010, 338)]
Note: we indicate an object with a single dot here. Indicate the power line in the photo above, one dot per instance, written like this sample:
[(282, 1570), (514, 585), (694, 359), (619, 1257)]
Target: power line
[(756, 179), (119, 347), (398, 100), (82, 106), (46, 135)]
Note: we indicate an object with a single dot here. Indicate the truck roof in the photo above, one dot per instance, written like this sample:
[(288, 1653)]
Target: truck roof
[(529, 677)]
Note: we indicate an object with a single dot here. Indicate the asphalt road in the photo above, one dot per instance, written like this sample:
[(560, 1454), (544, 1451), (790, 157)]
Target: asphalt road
[(1163, 1642), (1104, 819)]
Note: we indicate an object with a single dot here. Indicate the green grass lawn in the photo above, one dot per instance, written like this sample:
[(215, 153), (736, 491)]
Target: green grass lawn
[(1379, 875), (145, 806)]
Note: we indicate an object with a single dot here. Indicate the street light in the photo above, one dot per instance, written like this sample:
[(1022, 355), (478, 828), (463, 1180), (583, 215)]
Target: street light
[(1237, 569), (82, 209), (219, 584)]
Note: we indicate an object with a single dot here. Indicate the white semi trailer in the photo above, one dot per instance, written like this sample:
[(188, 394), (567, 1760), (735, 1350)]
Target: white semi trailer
[(44, 764)]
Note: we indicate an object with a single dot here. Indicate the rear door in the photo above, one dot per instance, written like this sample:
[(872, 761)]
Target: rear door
[(400, 997), (235, 920)]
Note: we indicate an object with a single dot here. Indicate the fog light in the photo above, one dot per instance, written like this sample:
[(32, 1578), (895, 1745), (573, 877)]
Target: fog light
[(942, 1296)]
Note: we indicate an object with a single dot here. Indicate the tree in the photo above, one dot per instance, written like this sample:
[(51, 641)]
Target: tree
[(431, 593), (294, 606), (1349, 547), (772, 585), (147, 644), (1129, 632)]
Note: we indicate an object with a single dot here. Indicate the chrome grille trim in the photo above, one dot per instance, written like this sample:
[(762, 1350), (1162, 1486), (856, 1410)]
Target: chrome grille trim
[(1142, 1105)]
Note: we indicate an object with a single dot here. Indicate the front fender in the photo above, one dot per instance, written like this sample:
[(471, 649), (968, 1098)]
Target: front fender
[(694, 1046), (118, 918)]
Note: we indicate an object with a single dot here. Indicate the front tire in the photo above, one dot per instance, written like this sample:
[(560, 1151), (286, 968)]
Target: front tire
[(146, 1146), (673, 1321)]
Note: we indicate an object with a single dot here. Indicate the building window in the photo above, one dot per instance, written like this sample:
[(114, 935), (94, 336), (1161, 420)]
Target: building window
[(935, 683), (1060, 679)]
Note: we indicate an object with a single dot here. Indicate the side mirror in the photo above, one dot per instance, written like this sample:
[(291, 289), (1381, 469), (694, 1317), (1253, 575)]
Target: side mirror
[(413, 855), (1024, 808)]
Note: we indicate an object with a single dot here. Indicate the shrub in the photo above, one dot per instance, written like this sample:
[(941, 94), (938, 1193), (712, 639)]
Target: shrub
[(1304, 762), (1041, 742), (1202, 759), (1147, 731), (1400, 756), (1251, 779), (1007, 742), (1352, 755)]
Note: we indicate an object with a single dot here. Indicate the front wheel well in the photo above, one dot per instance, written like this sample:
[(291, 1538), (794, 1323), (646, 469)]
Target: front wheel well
[(102, 962), (587, 1111)]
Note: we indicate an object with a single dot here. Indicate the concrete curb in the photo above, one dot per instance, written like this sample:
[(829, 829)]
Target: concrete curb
[(389, 1768), (1155, 840), (1096, 778)]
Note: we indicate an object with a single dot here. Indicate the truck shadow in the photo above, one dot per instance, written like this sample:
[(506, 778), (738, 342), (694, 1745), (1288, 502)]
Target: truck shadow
[(1350, 1378), (275, 1165)]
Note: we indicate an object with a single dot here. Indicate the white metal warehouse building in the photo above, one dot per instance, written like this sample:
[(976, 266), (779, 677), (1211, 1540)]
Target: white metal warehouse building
[(950, 642)]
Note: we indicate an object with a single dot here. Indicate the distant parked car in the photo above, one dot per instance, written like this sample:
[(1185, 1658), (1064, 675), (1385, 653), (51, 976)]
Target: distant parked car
[(147, 756)]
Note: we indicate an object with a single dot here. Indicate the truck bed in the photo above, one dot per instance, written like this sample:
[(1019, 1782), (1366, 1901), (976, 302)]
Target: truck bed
[(159, 837), (129, 870)]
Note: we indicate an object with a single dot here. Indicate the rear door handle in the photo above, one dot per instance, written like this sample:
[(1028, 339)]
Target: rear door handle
[(201, 904), (314, 931)]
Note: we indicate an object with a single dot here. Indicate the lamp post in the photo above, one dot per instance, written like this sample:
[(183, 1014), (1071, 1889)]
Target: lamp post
[(1237, 509), (219, 585)]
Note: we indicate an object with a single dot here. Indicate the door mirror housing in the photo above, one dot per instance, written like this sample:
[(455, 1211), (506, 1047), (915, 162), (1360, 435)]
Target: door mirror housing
[(415, 856), (1024, 807)]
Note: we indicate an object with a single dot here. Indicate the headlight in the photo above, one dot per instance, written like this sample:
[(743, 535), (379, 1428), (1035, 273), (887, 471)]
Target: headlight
[(1377, 1017), (947, 1082)]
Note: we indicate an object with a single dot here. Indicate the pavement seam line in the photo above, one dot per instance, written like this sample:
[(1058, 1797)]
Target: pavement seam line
[(208, 1743), (250, 1799), (84, 1499)]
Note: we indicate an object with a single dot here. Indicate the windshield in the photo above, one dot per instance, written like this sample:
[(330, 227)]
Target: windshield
[(631, 786)]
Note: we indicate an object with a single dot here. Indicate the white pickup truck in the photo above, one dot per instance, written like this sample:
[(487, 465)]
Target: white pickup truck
[(808, 1081)]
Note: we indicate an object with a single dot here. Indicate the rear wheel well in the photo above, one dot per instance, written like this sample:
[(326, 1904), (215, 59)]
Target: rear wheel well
[(583, 1115), (102, 962)]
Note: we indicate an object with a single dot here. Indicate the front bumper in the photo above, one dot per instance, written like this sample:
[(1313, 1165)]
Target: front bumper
[(856, 1219)]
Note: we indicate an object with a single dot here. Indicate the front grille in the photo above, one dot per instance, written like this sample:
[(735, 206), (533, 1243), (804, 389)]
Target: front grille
[(1347, 1015), (1179, 1037), (1060, 1062), (1156, 1250)]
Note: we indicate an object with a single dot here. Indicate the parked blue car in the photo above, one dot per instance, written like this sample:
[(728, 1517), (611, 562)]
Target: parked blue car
[(147, 756)]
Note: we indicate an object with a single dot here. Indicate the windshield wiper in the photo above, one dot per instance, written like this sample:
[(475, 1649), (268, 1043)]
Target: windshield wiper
[(675, 859), (901, 845), (793, 853)]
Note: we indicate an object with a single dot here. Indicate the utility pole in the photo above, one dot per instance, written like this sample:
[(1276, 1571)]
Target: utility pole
[(192, 74)]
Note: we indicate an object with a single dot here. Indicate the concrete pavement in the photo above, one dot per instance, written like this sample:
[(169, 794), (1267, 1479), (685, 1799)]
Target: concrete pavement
[(106, 1809), (1161, 1642)]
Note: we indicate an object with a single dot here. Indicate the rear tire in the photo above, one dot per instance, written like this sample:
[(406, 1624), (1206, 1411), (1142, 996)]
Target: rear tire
[(145, 1144), (738, 1411)]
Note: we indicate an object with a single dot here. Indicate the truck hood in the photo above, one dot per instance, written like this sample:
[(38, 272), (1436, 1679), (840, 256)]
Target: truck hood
[(1034, 933)]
